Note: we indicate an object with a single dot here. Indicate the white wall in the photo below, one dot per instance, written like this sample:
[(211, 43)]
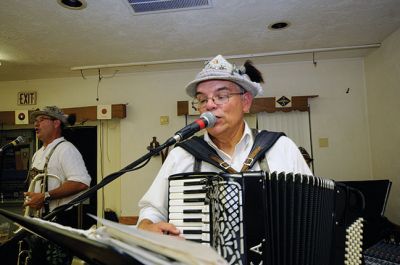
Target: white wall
[(335, 114), (338, 116), (382, 69)]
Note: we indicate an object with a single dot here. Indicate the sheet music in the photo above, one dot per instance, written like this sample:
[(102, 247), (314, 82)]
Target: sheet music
[(147, 247), (181, 250), (144, 256)]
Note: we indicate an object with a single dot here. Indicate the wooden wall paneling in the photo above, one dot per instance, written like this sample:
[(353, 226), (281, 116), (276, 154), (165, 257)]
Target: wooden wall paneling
[(182, 108), (7, 117), (88, 113), (263, 105)]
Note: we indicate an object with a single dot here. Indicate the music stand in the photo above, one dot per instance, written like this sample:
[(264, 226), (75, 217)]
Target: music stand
[(91, 251), (376, 194)]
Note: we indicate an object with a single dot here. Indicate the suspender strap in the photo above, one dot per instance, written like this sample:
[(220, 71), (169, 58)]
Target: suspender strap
[(263, 141), (197, 147), (49, 155), (45, 177), (197, 165)]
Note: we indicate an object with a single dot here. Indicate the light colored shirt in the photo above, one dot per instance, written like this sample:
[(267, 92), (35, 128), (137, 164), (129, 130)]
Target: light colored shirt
[(284, 156), (66, 163)]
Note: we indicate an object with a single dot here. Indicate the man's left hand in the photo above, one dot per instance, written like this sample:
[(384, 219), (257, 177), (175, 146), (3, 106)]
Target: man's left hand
[(34, 200)]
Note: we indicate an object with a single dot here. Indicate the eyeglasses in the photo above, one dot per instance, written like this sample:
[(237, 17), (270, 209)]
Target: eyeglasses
[(219, 99), (40, 119)]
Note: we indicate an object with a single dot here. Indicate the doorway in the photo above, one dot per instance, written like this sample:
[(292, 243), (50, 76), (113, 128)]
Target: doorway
[(85, 140)]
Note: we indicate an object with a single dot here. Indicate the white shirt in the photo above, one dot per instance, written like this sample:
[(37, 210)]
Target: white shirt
[(66, 163), (284, 156)]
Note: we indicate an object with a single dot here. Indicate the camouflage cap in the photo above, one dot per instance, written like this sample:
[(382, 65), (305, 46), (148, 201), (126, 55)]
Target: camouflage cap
[(51, 111)]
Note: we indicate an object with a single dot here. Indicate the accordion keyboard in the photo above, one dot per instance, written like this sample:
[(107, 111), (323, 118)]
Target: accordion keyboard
[(189, 208)]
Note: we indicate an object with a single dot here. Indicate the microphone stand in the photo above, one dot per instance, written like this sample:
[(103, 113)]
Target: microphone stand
[(22, 233)]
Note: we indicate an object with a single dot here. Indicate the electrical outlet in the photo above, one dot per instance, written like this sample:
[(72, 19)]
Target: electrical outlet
[(323, 142), (164, 120)]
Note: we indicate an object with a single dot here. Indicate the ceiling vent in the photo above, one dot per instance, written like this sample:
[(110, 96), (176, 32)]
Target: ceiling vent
[(155, 6)]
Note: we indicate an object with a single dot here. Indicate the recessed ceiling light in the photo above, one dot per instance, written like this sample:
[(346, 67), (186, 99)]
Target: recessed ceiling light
[(279, 25), (73, 4)]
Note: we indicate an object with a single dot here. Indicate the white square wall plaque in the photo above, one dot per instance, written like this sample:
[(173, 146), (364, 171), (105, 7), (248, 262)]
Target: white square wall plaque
[(104, 112), (21, 117)]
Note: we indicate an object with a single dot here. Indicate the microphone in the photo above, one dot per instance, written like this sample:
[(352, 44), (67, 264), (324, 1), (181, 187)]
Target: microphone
[(17, 141), (206, 120)]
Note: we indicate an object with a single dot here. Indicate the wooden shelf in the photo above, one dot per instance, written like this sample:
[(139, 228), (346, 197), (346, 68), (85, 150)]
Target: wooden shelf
[(299, 103), (83, 114), (267, 104)]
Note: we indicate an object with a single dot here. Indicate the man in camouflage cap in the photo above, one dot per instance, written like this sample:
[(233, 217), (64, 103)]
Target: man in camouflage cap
[(61, 159)]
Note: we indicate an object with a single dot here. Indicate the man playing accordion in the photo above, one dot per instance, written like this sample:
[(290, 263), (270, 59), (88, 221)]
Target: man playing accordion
[(226, 91)]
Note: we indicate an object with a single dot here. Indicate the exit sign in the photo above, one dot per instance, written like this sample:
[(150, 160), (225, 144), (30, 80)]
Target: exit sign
[(27, 98)]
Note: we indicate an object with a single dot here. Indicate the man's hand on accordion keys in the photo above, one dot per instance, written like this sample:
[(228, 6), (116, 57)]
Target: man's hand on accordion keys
[(161, 227)]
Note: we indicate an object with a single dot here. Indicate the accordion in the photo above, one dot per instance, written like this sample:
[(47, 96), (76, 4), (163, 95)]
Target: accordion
[(258, 217)]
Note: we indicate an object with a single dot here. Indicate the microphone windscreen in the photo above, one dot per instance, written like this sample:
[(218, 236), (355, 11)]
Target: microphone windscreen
[(210, 118)]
